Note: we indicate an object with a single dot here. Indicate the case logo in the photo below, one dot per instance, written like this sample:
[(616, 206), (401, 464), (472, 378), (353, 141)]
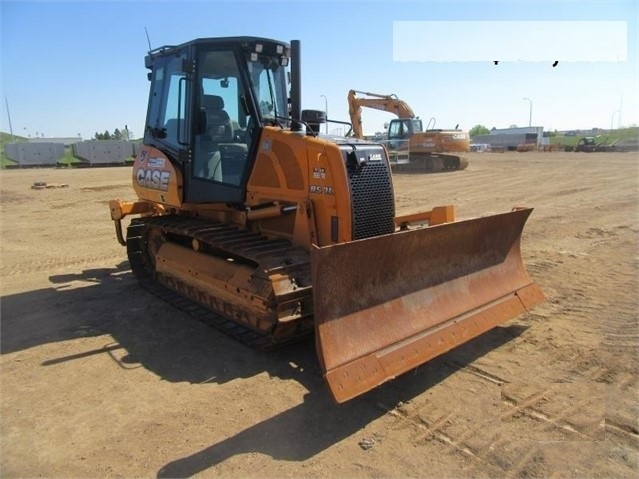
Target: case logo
[(154, 179)]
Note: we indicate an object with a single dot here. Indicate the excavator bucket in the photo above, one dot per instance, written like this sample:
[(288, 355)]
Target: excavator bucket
[(387, 304)]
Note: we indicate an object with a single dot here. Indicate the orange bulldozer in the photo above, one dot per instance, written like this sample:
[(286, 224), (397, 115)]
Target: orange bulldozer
[(246, 212)]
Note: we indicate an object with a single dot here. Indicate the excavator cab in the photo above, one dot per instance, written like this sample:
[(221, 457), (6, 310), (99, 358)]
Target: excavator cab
[(401, 129), (400, 132)]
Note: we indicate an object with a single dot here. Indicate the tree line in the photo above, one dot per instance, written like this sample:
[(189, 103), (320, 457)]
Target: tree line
[(478, 130), (117, 134)]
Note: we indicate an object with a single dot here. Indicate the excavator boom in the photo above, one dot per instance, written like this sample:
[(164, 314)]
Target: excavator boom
[(389, 103)]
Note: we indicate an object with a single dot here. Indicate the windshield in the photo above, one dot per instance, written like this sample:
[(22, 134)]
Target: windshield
[(268, 80), (417, 126)]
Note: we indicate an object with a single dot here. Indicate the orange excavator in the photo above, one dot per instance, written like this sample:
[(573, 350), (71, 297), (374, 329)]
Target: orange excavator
[(411, 148), (248, 220)]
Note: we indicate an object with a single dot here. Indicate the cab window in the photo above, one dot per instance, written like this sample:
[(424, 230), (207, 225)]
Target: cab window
[(221, 144), (167, 110)]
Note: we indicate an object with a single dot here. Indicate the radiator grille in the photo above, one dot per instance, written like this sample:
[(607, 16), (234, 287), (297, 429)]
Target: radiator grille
[(372, 196)]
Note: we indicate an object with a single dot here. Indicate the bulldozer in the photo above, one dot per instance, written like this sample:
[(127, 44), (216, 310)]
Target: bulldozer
[(245, 212), (410, 147), (589, 144)]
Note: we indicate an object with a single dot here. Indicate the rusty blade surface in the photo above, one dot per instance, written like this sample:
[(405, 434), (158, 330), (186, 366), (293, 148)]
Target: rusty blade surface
[(387, 304)]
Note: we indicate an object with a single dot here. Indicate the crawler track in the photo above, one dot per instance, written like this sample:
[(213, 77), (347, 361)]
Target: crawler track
[(275, 261), (431, 163)]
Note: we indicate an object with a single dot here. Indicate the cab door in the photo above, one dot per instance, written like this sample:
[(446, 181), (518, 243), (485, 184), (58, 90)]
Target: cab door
[(222, 137)]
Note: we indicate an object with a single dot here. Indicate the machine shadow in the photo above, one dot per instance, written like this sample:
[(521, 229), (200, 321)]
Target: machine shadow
[(146, 331), (59, 313), (307, 429), (141, 330)]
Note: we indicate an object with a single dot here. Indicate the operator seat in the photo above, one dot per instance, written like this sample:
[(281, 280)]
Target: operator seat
[(217, 129), (218, 122)]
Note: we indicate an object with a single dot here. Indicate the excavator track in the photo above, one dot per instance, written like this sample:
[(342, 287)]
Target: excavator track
[(280, 270), (431, 163)]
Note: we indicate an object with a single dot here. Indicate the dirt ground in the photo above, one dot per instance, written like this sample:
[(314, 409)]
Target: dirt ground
[(102, 379)]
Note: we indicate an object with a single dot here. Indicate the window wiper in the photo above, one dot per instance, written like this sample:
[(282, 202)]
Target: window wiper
[(270, 91), (276, 117)]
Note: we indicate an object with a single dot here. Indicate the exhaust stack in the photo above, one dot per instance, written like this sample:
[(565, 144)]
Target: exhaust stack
[(296, 85)]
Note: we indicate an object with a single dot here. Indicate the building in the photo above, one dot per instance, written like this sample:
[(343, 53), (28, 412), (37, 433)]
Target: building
[(509, 138)]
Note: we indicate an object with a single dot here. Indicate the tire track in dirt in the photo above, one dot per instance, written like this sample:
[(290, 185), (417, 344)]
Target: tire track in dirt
[(563, 423), (615, 312), (565, 420), (454, 425), (427, 430), (496, 457), (477, 371)]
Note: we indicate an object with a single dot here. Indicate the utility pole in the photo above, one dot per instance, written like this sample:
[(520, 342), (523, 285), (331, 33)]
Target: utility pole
[(9, 116), (326, 111), (612, 119), (530, 113)]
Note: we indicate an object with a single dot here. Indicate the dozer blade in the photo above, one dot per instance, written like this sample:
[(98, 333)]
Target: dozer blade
[(387, 304)]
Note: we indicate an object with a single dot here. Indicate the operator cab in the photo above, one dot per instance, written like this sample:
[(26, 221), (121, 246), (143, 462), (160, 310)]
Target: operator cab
[(404, 128), (399, 132), (208, 102)]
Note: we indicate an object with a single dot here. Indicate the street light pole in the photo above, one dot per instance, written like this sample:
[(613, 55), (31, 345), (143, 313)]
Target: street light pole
[(612, 118), (326, 110), (13, 138), (530, 114)]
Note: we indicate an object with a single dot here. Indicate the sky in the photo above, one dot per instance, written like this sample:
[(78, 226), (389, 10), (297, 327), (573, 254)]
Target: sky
[(77, 68)]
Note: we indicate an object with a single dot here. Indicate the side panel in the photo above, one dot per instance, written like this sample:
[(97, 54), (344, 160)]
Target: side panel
[(156, 179), (441, 141), (294, 168)]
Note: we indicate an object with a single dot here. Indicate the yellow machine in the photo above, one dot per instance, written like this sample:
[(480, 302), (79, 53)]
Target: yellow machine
[(411, 148), (249, 220)]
